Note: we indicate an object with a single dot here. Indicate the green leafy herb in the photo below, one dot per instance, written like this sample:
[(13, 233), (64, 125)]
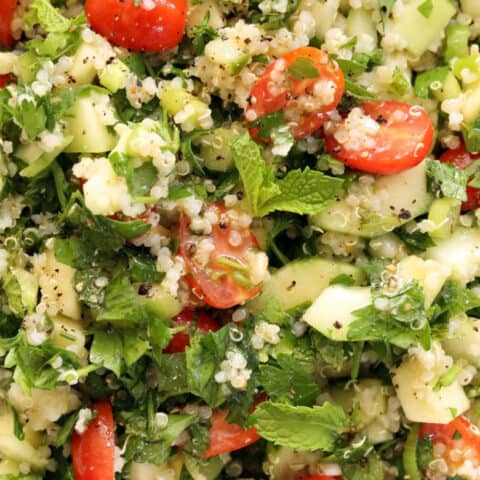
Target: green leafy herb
[(300, 191), (290, 381), (454, 299), (49, 17), (343, 279), (302, 68), (446, 180), (400, 84), (301, 428), (201, 34), (426, 8), (448, 377), (417, 242), (357, 91)]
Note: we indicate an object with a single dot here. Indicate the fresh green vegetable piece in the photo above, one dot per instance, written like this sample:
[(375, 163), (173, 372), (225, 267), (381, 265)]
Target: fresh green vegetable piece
[(302, 428), (410, 462), (447, 180), (302, 68), (426, 8), (457, 41), (426, 80)]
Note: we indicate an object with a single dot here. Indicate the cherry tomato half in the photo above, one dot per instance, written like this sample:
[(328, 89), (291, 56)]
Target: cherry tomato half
[(153, 25), (223, 281), (291, 84), (181, 340), (381, 137), (93, 452), (7, 14), (227, 437), (460, 436), (461, 158)]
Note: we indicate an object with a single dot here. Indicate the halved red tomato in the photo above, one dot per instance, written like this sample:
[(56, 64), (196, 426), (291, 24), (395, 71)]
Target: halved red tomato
[(462, 159), (189, 317), (151, 25), (93, 452), (7, 14), (304, 84), (227, 437), (223, 279), (381, 137), (454, 442), (319, 477)]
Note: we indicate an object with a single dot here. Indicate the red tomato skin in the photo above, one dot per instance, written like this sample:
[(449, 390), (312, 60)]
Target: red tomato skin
[(469, 439), (222, 293), (265, 103), (227, 437), (7, 14), (181, 340), (461, 158), (400, 144), (135, 27), (93, 451)]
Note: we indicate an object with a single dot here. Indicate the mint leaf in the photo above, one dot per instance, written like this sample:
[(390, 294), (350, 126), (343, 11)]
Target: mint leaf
[(303, 68), (301, 428), (426, 8), (107, 351), (446, 180), (300, 191), (49, 17), (304, 192), (292, 380), (255, 174)]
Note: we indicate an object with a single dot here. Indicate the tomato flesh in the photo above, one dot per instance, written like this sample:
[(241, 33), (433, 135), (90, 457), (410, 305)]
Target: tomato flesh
[(462, 159), (153, 26), (5, 80), (381, 138), (93, 452), (305, 107), (181, 340), (227, 437), (7, 14), (459, 435), (222, 282), (319, 477)]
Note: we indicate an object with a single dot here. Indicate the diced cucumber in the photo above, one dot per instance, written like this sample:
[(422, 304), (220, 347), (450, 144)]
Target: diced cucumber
[(471, 103), (198, 10), (466, 342), (460, 252), (415, 381), (175, 100), (370, 397), (43, 161), (19, 451), (444, 213), (284, 463), (69, 334), (331, 312), (25, 69), (21, 288), (471, 7), (164, 304), (147, 471), (83, 69), (429, 274), (207, 470), (467, 68), (457, 41), (83, 122), (227, 54), (301, 282), (449, 89), (325, 14), (419, 31), (215, 148), (114, 76), (401, 197), (360, 22)]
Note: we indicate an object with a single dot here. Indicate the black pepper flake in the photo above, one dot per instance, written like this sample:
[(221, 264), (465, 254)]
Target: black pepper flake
[(404, 214)]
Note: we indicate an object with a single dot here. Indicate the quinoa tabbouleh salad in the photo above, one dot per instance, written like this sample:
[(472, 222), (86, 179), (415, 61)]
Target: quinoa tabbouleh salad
[(240, 239)]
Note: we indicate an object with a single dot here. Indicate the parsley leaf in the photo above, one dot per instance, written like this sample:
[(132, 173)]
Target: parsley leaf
[(301, 428), (302, 68), (300, 191), (202, 33), (291, 380), (49, 17), (426, 8), (447, 180)]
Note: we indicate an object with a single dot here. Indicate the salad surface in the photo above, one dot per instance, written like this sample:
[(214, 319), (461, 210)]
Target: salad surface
[(239, 239)]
